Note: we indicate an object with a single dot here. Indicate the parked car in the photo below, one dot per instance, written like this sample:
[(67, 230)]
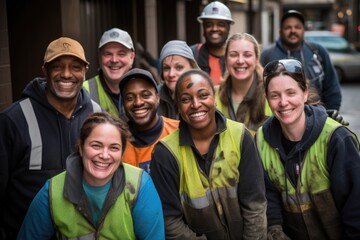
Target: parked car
[(344, 56)]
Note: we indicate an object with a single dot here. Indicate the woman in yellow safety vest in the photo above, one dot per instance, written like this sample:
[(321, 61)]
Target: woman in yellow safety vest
[(311, 162), (207, 172), (98, 196)]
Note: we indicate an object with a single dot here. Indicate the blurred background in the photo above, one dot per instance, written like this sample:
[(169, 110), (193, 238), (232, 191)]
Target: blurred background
[(28, 26)]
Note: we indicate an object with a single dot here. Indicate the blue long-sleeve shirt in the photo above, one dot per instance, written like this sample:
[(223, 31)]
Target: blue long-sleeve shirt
[(146, 214)]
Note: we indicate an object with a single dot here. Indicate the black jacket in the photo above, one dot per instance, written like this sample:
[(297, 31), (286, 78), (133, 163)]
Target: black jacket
[(56, 140), (343, 162)]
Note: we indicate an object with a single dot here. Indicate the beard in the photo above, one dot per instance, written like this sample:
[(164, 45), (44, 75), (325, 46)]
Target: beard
[(215, 45), (291, 45)]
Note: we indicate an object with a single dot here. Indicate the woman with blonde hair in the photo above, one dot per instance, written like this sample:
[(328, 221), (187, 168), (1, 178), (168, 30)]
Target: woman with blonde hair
[(241, 96)]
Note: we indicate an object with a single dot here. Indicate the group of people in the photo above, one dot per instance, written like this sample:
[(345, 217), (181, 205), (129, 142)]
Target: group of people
[(234, 143)]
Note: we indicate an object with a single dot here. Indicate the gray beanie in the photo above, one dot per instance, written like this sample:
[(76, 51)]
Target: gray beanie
[(177, 47)]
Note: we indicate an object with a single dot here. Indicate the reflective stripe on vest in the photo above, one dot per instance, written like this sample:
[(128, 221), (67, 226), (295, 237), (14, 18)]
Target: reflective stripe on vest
[(205, 201), (309, 205), (117, 224), (96, 107), (93, 89), (314, 160), (210, 203), (35, 161)]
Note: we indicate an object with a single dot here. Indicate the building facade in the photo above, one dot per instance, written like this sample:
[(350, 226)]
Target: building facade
[(28, 26)]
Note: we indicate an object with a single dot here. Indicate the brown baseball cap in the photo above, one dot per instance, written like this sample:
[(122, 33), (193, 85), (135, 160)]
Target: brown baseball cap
[(64, 47)]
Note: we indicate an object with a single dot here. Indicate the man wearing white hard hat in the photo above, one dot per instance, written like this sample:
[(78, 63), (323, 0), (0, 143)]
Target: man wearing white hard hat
[(116, 57), (216, 20)]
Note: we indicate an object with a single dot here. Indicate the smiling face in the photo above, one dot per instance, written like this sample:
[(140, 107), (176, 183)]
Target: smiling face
[(172, 67), (115, 60), (241, 59), (216, 32), (101, 154), (65, 76), (292, 33), (196, 102), (286, 100), (141, 101)]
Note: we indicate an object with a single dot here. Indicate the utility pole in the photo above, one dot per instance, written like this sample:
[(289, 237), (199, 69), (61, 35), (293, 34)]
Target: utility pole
[(250, 17)]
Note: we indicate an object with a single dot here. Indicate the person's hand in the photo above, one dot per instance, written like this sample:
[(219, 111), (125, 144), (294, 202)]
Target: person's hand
[(334, 114), (275, 232)]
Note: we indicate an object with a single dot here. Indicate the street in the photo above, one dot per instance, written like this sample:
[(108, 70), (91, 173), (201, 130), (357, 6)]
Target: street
[(350, 106)]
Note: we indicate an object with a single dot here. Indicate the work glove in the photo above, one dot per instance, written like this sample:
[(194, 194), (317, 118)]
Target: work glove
[(334, 114), (275, 232)]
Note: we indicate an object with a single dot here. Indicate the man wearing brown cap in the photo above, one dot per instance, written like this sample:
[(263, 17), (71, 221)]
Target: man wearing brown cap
[(39, 131), (318, 66), (116, 57)]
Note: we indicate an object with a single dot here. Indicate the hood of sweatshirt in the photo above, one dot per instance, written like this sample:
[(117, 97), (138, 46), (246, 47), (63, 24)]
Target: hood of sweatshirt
[(315, 120), (36, 90)]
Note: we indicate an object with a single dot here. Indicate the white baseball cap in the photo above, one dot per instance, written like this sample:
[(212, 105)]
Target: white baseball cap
[(117, 35)]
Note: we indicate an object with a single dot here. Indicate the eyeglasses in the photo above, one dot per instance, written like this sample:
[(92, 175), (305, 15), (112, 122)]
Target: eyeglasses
[(290, 65)]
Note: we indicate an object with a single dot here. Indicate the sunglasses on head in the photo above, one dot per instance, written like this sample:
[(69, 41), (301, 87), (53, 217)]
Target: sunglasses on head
[(290, 66)]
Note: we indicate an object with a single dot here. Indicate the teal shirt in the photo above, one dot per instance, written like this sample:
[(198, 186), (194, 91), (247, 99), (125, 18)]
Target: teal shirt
[(148, 221), (96, 197)]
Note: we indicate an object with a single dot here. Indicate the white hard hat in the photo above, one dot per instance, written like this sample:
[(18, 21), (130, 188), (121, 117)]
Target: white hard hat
[(216, 10)]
